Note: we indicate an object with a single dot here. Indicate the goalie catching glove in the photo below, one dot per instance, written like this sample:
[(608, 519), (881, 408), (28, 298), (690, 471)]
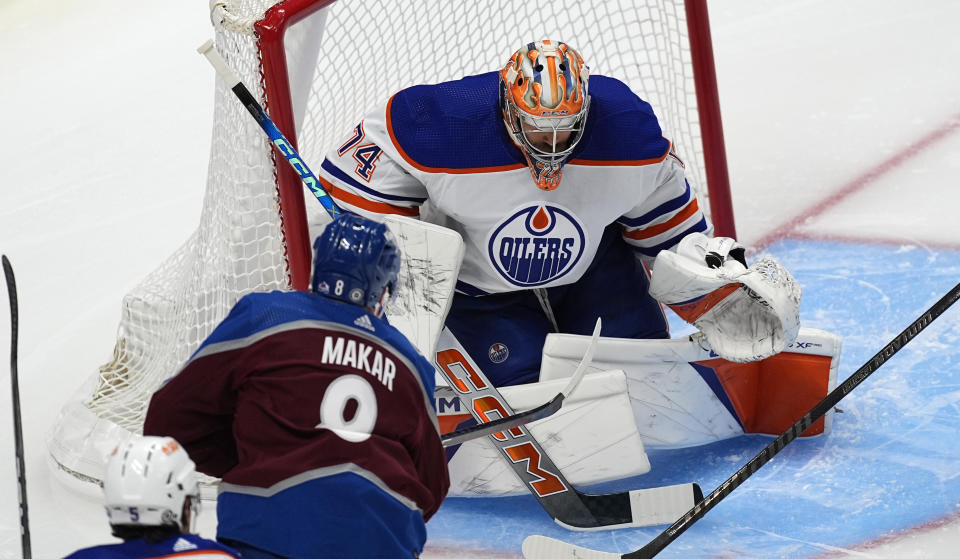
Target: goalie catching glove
[(746, 313)]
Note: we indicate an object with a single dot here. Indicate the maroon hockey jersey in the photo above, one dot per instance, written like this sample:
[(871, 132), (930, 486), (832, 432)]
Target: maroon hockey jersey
[(293, 389)]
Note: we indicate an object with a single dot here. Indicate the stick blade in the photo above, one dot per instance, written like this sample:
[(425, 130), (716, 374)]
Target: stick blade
[(663, 505), (542, 547)]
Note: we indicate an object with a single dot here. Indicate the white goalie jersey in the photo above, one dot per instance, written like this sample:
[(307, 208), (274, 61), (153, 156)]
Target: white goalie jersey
[(447, 143)]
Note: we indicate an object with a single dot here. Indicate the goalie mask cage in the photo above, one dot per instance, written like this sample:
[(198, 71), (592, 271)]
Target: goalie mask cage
[(317, 67)]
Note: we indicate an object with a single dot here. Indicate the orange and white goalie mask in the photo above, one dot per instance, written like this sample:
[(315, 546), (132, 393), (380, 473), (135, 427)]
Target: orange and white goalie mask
[(545, 104)]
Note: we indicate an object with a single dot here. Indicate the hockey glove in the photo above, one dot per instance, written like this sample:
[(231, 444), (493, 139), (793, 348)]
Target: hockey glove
[(745, 313)]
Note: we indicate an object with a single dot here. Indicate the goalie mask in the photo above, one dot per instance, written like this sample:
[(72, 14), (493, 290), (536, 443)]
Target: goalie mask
[(148, 481), (545, 102), (356, 261)]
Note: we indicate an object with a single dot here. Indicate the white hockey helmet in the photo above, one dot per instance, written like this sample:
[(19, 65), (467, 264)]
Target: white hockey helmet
[(147, 482)]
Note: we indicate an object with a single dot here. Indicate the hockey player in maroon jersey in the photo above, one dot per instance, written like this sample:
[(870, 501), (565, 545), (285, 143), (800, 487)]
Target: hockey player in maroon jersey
[(152, 499), (315, 412)]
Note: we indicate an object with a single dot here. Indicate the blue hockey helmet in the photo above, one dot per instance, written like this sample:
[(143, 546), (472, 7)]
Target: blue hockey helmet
[(356, 259)]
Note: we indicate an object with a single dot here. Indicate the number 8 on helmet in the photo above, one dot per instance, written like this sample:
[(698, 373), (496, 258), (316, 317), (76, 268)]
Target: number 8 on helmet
[(357, 262)]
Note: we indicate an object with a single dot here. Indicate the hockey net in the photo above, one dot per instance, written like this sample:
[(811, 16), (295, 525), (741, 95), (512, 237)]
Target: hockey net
[(318, 66)]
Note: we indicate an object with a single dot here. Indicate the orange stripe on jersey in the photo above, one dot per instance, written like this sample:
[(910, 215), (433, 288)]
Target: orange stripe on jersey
[(673, 154), (418, 166), (363, 203), (208, 552), (693, 310), (639, 234), (619, 163)]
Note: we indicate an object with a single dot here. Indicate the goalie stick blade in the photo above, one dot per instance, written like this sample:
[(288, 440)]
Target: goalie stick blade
[(542, 547)]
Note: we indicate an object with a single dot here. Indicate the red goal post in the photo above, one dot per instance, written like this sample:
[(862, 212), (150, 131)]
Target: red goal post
[(317, 66)]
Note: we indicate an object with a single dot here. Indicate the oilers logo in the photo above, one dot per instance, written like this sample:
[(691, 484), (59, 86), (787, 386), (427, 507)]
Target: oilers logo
[(498, 353), (536, 245)]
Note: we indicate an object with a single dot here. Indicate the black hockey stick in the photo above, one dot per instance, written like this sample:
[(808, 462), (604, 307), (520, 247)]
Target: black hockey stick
[(520, 418), (540, 547), (15, 396), (538, 473)]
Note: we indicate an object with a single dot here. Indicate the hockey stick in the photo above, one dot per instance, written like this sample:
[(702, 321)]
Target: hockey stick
[(15, 393), (535, 469), (542, 411), (541, 547), (283, 145)]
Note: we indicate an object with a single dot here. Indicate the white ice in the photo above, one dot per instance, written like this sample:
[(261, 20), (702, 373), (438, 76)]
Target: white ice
[(841, 120)]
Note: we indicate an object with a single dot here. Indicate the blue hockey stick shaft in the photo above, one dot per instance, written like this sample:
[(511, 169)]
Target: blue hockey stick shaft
[(283, 145)]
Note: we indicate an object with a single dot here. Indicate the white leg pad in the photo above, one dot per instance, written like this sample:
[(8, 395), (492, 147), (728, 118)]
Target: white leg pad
[(591, 439)]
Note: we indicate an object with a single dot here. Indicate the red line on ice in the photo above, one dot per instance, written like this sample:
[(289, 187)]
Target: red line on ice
[(789, 229)]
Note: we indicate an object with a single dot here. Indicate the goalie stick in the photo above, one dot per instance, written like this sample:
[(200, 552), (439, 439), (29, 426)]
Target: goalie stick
[(15, 396), (537, 472), (542, 547)]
